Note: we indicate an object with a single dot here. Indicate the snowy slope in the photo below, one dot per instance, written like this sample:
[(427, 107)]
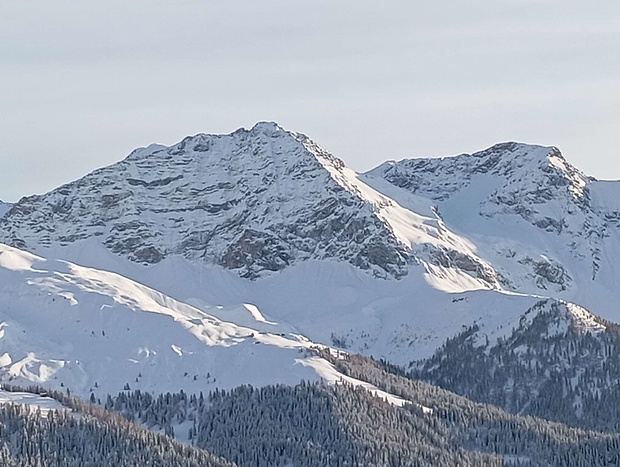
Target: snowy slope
[(541, 223), (69, 326), (89, 330)]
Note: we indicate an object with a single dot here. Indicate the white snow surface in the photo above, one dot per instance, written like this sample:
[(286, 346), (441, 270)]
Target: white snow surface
[(220, 260), (68, 326), (38, 404), (64, 325)]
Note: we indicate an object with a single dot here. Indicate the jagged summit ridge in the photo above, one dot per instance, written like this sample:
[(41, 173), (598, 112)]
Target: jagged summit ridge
[(534, 216), (535, 183), (439, 178), (253, 201)]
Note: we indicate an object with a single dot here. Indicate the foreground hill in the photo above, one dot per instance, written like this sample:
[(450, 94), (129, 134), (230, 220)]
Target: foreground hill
[(77, 435)]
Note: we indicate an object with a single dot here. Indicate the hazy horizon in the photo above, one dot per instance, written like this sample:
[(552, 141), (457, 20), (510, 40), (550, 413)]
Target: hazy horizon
[(84, 85)]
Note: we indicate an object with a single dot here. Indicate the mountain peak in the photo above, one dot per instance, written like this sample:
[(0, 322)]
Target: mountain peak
[(266, 140), (516, 155), (267, 127), (253, 201), (518, 149), (511, 183), (512, 163)]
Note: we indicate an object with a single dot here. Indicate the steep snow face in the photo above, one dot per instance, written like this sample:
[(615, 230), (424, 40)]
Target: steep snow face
[(542, 224), (255, 201)]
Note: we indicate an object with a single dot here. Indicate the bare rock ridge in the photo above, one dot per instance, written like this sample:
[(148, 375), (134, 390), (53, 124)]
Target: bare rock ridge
[(256, 201), (533, 183), (252, 201)]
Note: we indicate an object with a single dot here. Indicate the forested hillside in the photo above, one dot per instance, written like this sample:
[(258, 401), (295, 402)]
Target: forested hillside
[(548, 367), (85, 435), (318, 424)]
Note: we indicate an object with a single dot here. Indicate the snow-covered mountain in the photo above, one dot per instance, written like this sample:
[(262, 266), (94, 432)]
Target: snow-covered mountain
[(543, 225), (230, 255), (254, 201), (251, 201), (89, 330)]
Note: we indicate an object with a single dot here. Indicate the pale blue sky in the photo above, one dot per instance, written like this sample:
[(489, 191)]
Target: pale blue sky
[(83, 83)]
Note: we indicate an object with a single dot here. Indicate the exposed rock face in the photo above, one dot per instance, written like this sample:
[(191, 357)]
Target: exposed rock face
[(534, 183), (255, 200), (528, 173)]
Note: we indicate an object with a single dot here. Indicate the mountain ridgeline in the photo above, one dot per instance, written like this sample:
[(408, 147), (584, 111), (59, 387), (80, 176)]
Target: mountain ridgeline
[(252, 201), (237, 266), (515, 216), (552, 365)]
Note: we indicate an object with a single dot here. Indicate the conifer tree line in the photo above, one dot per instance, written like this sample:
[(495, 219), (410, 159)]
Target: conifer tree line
[(541, 372), (315, 424), (87, 436), (571, 376)]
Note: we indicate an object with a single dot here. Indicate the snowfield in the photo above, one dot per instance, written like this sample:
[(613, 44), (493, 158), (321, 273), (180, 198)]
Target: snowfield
[(223, 259), (94, 331)]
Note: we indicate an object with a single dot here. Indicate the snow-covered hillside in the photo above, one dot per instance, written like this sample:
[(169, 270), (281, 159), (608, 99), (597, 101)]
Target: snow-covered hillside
[(4, 208), (543, 225), (64, 325), (90, 330), (221, 259)]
